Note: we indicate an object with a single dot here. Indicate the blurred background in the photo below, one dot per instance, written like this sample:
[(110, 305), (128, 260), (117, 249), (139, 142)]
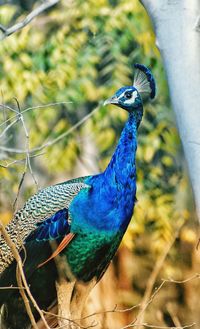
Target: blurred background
[(56, 72)]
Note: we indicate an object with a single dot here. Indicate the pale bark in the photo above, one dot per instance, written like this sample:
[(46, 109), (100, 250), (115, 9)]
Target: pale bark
[(177, 29)]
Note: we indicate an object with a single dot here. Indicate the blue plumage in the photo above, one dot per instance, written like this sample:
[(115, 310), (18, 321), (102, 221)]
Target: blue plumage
[(57, 226)]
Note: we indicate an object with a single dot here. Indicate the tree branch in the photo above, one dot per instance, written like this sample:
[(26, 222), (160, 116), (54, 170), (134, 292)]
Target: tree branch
[(22, 283), (5, 32), (154, 326), (53, 141)]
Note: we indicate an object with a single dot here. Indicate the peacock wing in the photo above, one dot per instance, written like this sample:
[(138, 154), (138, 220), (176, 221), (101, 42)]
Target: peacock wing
[(43, 217)]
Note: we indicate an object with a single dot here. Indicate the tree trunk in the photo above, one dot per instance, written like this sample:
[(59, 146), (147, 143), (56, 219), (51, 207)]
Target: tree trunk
[(177, 29)]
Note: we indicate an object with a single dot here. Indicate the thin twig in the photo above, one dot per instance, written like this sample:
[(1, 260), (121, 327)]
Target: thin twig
[(114, 310), (38, 107), (18, 26), (53, 141), (69, 320), (7, 107), (158, 327), (15, 203), (8, 127), (147, 299), (195, 276), (19, 275), (164, 281), (24, 297), (11, 287), (20, 160), (23, 280), (28, 162)]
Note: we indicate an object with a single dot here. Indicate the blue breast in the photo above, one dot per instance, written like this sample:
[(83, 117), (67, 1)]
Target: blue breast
[(104, 206)]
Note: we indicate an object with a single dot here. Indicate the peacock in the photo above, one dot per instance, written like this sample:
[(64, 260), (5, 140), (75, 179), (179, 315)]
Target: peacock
[(79, 223)]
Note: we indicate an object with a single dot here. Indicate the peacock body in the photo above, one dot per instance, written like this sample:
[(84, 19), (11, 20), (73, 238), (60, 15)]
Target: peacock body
[(86, 217)]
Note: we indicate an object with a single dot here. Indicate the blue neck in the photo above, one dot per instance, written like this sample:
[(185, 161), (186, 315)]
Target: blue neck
[(111, 200), (122, 165)]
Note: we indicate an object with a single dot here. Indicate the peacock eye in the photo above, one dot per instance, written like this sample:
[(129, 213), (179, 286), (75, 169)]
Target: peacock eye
[(128, 94)]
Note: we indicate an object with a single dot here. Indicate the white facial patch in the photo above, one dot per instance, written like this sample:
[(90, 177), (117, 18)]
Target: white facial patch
[(132, 99)]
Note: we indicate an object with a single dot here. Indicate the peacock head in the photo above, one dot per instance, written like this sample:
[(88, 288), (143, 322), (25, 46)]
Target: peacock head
[(131, 98)]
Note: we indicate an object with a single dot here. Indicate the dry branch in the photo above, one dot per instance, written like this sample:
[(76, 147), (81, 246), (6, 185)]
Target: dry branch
[(38, 107), (5, 32), (137, 324), (154, 326), (147, 299), (22, 283), (20, 160), (53, 141)]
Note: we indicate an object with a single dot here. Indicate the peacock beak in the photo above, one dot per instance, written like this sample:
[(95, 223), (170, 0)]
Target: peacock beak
[(111, 100)]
